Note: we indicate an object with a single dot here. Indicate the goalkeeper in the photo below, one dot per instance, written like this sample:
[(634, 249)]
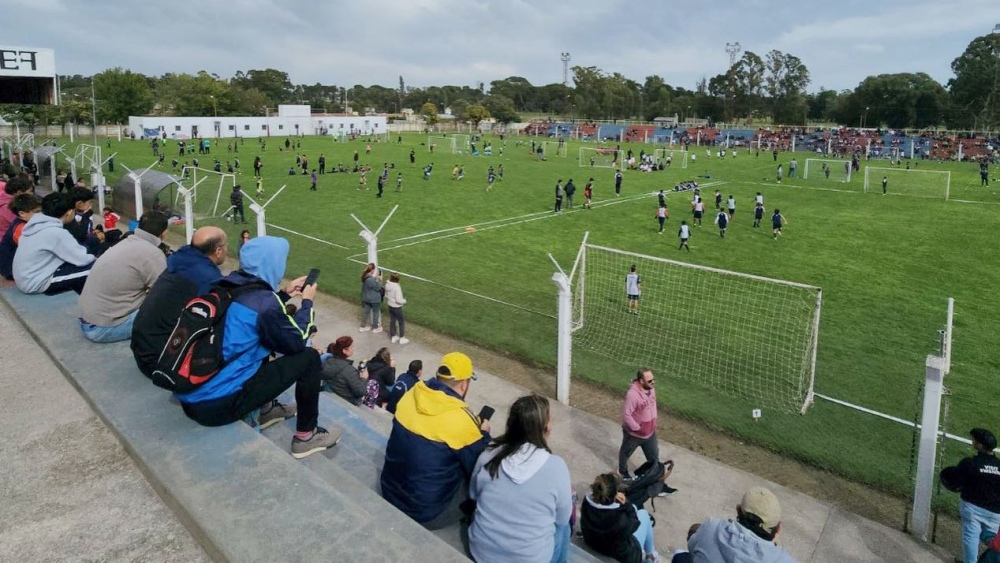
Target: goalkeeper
[(632, 291)]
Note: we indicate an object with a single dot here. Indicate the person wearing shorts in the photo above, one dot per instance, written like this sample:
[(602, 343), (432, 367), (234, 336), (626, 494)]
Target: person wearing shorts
[(632, 290)]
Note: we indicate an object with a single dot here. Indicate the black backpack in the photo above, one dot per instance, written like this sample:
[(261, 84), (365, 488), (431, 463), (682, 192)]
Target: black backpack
[(647, 484), (193, 352)]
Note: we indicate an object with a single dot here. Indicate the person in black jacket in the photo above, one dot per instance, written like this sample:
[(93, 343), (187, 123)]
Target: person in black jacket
[(339, 374), (613, 527), (382, 369), (977, 478), (191, 271)]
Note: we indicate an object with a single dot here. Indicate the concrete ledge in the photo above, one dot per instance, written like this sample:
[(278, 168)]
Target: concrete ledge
[(242, 497)]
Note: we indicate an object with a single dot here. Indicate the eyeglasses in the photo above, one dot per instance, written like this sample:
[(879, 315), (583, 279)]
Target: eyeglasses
[(649, 381)]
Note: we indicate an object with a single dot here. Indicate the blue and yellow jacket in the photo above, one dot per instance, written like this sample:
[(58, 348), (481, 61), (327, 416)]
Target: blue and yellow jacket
[(432, 450), (256, 321)]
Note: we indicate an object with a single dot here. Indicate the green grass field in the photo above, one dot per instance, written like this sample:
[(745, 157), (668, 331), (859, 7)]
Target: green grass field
[(886, 266)]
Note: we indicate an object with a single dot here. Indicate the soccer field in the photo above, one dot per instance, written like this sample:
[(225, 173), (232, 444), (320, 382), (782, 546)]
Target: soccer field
[(475, 266)]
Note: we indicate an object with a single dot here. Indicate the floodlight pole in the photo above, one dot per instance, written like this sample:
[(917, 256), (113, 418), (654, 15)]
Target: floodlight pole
[(371, 238)]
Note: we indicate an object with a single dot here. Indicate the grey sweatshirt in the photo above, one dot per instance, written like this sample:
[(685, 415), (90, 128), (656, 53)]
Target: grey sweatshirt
[(45, 245)]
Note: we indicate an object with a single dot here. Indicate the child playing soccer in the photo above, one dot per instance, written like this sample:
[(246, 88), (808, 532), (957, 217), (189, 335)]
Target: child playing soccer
[(722, 220), (684, 233), (662, 216), (777, 221), (588, 193)]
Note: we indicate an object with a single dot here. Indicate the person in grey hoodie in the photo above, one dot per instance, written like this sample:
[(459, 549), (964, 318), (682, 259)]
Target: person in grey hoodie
[(48, 259), (371, 299), (522, 492), (751, 537)]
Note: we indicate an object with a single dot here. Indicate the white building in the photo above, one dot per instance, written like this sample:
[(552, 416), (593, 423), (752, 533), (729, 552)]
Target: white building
[(291, 120)]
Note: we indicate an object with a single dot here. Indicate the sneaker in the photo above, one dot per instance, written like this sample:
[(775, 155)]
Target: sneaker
[(275, 413), (364, 329), (626, 478), (394, 339), (404, 340), (653, 557), (320, 440), (376, 330)]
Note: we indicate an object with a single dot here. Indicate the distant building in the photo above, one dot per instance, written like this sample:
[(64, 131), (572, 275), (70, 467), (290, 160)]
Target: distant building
[(291, 120)]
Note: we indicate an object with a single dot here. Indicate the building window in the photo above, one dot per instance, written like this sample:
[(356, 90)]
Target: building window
[(281, 127), (246, 127), (177, 127), (263, 127), (232, 128)]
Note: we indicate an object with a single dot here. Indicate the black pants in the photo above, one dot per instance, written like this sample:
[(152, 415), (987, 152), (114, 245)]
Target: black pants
[(558, 206), (68, 278), (302, 369), (396, 317), (650, 449), (238, 210)]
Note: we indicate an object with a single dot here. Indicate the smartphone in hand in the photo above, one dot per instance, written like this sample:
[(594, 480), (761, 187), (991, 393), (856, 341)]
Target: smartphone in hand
[(311, 277), (486, 413)]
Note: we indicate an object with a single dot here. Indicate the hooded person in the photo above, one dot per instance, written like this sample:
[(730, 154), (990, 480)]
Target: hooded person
[(256, 326), (48, 259), (435, 431), (751, 537), (522, 491)]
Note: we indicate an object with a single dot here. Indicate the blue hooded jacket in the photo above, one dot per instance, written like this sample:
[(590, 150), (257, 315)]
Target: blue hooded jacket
[(191, 264), (256, 323)]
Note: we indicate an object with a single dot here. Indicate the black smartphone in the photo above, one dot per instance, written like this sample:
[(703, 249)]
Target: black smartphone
[(311, 277), (486, 413)]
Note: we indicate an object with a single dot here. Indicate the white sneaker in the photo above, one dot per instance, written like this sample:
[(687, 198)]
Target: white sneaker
[(404, 340), (394, 339), (376, 330), (364, 329)]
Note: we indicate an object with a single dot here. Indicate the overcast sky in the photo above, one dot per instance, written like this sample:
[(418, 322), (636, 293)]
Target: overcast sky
[(464, 42)]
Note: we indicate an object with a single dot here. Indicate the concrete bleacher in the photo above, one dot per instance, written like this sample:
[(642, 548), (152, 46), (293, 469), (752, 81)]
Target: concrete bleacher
[(244, 497)]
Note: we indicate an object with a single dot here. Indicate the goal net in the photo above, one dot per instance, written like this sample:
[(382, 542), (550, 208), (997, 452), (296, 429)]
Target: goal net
[(827, 170), (742, 335), (441, 143), (209, 190), (900, 181), (460, 144), (678, 157), (600, 158)]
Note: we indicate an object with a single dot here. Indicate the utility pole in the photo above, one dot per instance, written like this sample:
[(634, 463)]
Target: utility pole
[(565, 61), (733, 49)]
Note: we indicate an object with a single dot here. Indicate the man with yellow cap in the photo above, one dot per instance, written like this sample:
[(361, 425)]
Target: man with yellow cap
[(751, 537), (433, 447)]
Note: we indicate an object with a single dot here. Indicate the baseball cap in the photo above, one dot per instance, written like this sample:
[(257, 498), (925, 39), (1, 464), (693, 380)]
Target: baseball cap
[(456, 366), (763, 504), (984, 437)]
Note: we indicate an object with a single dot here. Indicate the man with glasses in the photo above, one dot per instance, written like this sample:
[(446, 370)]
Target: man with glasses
[(639, 421)]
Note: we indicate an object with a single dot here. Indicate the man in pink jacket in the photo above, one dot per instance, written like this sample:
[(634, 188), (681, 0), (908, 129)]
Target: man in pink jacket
[(639, 421)]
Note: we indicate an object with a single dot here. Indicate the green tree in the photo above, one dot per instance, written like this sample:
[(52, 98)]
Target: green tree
[(975, 90), (785, 82), (475, 114), (121, 93), (274, 84), (501, 108), (901, 100), (429, 112)]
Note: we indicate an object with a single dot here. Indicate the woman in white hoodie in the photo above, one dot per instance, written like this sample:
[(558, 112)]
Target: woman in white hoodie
[(394, 299), (522, 492)]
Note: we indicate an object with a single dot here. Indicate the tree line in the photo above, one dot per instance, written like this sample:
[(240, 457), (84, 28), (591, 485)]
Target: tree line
[(770, 88)]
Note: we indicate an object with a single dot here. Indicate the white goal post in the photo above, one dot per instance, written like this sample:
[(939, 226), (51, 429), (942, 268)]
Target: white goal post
[(677, 156), (911, 182), (746, 336), (842, 168), (460, 144), (601, 158), (440, 142)]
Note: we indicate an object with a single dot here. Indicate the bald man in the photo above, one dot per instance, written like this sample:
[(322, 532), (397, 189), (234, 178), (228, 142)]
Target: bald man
[(191, 271)]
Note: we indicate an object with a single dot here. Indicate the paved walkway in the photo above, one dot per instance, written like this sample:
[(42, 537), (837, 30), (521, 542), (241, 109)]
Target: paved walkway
[(69, 491)]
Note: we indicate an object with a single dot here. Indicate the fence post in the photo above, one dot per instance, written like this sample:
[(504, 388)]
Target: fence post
[(565, 339)]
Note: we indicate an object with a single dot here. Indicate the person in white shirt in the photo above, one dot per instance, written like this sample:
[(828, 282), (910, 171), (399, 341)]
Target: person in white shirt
[(684, 233), (699, 210), (394, 299), (632, 291)]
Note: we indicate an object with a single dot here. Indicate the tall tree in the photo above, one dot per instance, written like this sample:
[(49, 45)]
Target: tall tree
[(121, 93), (785, 82), (901, 100), (429, 112), (475, 114), (975, 90)]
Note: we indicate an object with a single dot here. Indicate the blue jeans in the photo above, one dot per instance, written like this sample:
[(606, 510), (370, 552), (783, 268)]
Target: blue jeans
[(975, 521), (560, 553), (105, 334), (644, 533)]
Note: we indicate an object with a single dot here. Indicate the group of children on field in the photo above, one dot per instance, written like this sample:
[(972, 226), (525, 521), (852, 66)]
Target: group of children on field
[(723, 217)]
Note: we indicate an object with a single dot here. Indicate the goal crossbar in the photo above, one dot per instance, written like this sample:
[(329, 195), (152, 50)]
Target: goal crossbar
[(895, 172), (840, 164)]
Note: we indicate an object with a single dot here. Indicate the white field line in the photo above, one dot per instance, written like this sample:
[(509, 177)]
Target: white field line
[(896, 419), (303, 235), (460, 290)]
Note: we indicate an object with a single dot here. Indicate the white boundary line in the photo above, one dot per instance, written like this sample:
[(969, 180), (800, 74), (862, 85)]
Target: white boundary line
[(303, 235), (458, 289), (890, 417)]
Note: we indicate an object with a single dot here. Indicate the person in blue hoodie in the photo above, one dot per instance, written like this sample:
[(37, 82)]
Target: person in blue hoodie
[(48, 259), (191, 271), (257, 325)]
